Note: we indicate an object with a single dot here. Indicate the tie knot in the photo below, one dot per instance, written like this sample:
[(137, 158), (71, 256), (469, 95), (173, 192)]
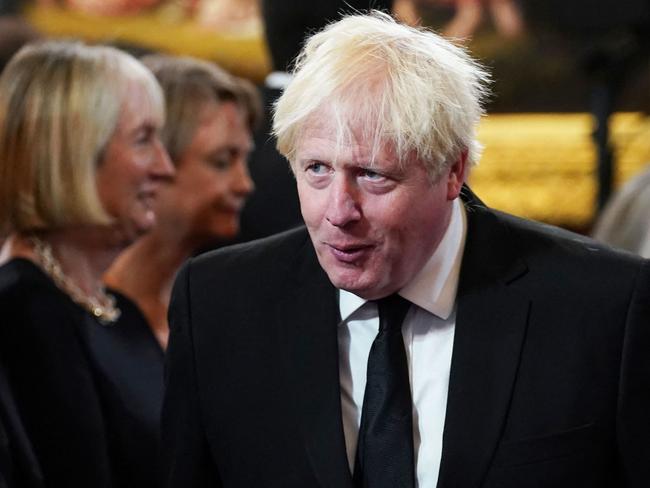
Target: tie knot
[(392, 310)]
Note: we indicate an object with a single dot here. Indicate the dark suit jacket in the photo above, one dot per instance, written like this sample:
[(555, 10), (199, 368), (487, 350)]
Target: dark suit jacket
[(549, 376)]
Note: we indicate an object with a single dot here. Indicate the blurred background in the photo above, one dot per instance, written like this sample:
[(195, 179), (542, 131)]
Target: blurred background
[(569, 121)]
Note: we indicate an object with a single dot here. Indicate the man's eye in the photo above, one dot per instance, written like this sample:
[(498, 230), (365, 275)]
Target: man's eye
[(371, 175), (316, 168)]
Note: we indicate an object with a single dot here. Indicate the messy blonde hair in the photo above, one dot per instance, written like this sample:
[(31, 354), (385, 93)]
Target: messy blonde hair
[(402, 86)]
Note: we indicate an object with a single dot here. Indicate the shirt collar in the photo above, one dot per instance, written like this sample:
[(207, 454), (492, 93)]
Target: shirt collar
[(434, 287)]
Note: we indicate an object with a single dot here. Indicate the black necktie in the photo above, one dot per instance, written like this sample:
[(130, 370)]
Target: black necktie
[(385, 448)]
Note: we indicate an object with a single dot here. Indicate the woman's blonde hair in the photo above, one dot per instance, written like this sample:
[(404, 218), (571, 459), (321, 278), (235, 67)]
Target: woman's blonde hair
[(402, 86), (60, 103)]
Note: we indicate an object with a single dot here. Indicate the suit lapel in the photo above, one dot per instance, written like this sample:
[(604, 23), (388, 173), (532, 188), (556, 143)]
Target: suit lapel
[(310, 314), (490, 329)]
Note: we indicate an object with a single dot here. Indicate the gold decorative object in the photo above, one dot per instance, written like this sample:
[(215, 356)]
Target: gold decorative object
[(543, 166)]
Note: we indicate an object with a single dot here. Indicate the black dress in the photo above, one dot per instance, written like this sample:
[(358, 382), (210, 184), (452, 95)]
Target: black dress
[(19, 467), (89, 395)]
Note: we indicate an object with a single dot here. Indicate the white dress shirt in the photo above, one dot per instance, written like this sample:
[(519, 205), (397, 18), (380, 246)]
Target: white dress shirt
[(428, 332)]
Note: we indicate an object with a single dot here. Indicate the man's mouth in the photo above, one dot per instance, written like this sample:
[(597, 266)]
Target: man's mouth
[(349, 253)]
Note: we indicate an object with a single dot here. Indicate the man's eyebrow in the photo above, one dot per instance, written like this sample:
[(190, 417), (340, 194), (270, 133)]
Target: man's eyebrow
[(308, 158)]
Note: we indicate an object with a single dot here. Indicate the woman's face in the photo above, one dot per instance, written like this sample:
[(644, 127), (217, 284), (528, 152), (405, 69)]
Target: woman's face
[(212, 181), (133, 165)]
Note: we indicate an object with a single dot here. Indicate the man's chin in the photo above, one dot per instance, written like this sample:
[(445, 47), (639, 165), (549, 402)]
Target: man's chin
[(352, 282), (361, 283)]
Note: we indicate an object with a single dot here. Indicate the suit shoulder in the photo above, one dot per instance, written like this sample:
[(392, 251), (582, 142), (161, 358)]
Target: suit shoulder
[(557, 242), (278, 246), (556, 263), (271, 256), (225, 281)]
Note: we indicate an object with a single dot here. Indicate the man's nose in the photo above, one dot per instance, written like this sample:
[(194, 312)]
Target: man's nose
[(343, 206)]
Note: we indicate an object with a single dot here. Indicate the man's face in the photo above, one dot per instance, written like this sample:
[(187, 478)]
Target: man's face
[(373, 226)]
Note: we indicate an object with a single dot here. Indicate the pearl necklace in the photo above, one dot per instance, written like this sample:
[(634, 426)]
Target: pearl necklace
[(102, 306)]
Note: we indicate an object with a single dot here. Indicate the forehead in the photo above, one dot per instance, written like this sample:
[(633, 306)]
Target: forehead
[(139, 106), (211, 111), (331, 120), (221, 121), (326, 137), (216, 127)]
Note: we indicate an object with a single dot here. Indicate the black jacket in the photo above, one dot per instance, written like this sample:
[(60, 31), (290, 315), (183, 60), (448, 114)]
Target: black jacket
[(549, 376)]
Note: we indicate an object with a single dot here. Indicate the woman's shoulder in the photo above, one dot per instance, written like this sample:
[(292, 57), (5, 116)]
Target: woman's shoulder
[(28, 295), (20, 277)]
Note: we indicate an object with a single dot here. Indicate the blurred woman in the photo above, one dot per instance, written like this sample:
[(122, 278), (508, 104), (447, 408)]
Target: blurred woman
[(208, 135), (625, 221), (81, 162)]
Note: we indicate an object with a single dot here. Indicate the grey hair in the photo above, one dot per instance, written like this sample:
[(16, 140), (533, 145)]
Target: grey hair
[(402, 86)]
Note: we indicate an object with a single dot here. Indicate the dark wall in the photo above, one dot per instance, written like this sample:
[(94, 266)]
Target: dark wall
[(288, 22)]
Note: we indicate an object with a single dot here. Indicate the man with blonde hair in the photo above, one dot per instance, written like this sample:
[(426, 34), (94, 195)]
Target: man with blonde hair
[(408, 335)]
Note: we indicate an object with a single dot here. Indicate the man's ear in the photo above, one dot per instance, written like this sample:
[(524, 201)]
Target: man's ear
[(457, 175)]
